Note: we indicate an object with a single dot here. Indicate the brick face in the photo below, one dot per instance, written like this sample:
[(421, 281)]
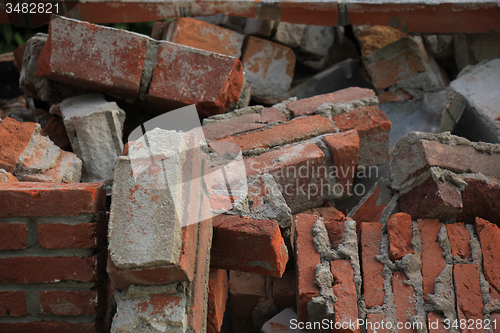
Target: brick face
[(14, 137), (459, 239), (431, 253), (13, 303), (13, 236), (468, 293), (399, 229), (373, 281), (404, 299), (489, 236), (49, 199), (68, 303), (217, 297), (65, 236), (346, 306)]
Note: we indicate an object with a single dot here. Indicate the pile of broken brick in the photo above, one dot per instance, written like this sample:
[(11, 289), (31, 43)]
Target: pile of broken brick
[(282, 246)]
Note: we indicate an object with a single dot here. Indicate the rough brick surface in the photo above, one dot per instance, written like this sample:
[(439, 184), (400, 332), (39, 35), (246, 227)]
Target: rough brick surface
[(13, 303), (284, 290), (206, 36), (48, 199), (248, 245), (279, 135), (400, 235), (489, 236), (373, 129), (67, 169), (243, 123), (346, 307), (307, 106), (459, 239), (373, 281), (306, 258), (14, 138), (371, 210), (114, 68), (177, 80), (269, 67), (7, 176), (13, 236), (344, 148), (68, 303), (48, 269), (217, 298), (66, 236), (435, 322), (431, 254), (479, 199), (404, 299), (468, 293), (374, 323)]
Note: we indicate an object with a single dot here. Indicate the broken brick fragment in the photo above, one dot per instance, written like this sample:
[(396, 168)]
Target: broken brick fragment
[(218, 291), (14, 138)]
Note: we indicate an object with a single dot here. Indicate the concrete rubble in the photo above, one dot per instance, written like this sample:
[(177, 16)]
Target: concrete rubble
[(334, 179)]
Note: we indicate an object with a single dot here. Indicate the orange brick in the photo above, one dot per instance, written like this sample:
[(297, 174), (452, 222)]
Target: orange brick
[(346, 306), (400, 234), (373, 281), (431, 254)]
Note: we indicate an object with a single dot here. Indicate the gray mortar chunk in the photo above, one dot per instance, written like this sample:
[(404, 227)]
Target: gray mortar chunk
[(322, 242), (230, 115), (322, 306), (443, 299), (349, 250)]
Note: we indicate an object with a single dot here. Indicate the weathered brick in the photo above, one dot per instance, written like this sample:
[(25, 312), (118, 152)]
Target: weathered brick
[(468, 293), (7, 176), (68, 169), (13, 303), (111, 68), (399, 230), (49, 269), (49, 327), (479, 199), (373, 280), (346, 306), (459, 239), (176, 80), (307, 106), (404, 299), (372, 205), (344, 148), (435, 322), (13, 236), (248, 245), (376, 323), (279, 135), (68, 302), (306, 258), (14, 138), (431, 253), (298, 170), (206, 36), (243, 123), (269, 67), (373, 129), (56, 132), (67, 236), (49, 199), (284, 290), (377, 37), (489, 237), (218, 289)]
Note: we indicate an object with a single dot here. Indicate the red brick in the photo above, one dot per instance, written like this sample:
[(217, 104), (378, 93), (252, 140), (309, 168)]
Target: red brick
[(344, 148), (495, 319), (489, 237), (248, 245), (218, 285), (13, 236), (279, 135), (400, 234), (373, 129), (56, 132), (48, 269), (208, 37), (431, 254), (13, 303), (158, 30), (48, 327), (66, 236), (7, 177), (387, 68), (404, 299), (307, 106), (243, 123), (435, 322), (160, 275), (346, 306), (480, 200), (335, 230), (269, 67), (50, 199), (394, 96), (376, 323), (306, 258), (373, 281), (459, 240), (14, 138), (176, 80), (298, 170), (370, 210), (284, 291), (68, 302), (468, 293), (59, 172), (114, 68)]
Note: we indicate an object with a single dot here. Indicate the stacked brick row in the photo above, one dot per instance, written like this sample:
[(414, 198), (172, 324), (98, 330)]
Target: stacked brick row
[(53, 257)]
